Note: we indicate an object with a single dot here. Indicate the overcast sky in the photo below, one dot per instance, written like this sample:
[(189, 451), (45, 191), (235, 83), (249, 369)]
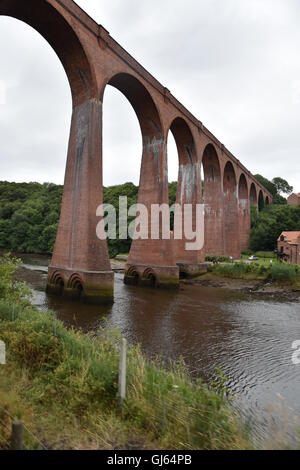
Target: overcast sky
[(233, 63)]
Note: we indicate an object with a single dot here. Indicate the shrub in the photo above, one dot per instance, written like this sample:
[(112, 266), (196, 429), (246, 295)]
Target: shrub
[(220, 259), (284, 272), (265, 254), (240, 270)]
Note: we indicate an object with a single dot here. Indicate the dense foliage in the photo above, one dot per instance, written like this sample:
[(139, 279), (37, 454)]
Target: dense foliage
[(29, 215), (268, 225), (276, 187)]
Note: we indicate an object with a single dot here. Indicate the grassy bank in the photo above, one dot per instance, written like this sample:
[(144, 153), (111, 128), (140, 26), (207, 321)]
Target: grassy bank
[(63, 384), (276, 272)]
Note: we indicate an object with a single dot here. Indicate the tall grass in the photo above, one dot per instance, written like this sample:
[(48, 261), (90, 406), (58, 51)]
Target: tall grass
[(239, 270), (276, 272), (284, 272)]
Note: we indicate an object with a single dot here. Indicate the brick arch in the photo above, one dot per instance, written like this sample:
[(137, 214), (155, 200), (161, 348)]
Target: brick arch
[(213, 201), (56, 283), (142, 102), (57, 279), (153, 187), (229, 178), (132, 276), (75, 282), (267, 201), (58, 32), (149, 277), (184, 141), (253, 195), (154, 158), (261, 201), (188, 183), (244, 213), (231, 212), (243, 187)]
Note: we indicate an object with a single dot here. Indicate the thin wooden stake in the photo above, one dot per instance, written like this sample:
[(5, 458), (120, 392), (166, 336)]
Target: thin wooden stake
[(17, 435), (122, 372)]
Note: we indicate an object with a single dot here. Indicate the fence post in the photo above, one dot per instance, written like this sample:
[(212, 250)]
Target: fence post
[(122, 372), (17, 434)]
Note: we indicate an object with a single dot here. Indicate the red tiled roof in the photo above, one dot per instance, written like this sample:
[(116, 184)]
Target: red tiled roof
[(291, 237)]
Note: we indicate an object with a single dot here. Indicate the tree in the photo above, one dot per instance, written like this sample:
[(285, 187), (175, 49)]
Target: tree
[(269, 185), (275, 187), (282, 186)]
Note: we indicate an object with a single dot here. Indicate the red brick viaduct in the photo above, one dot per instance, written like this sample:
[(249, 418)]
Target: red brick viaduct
[(92, 59)]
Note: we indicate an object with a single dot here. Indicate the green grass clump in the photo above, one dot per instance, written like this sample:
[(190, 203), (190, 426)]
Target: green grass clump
[(262, 269), (265, 254), (220, 259), (238, 270), (284, 272)]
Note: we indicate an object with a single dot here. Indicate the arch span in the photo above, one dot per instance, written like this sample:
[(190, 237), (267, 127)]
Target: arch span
[(184, 141), (149, 277), (188, 184), (261, 201), (213, 202), (153, 188), (253, 195), (142, 102), (231, 220), (62, 37), (57, 283), (244, 213), (132, 276)]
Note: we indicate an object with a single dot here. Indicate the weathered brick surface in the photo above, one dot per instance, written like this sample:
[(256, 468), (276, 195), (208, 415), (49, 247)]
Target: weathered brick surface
[(92, 60)]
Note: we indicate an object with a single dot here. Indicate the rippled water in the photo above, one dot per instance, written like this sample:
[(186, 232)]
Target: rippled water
[(249, 338)]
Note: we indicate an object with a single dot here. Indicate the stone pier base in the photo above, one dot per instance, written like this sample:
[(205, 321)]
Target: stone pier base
[(95, 287), (192, 270), (161, 277)]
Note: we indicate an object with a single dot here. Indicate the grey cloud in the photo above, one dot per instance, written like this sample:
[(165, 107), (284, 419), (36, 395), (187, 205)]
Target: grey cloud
[(233, 63)]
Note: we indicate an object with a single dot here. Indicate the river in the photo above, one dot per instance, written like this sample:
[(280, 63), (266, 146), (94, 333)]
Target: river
[(250, 338)]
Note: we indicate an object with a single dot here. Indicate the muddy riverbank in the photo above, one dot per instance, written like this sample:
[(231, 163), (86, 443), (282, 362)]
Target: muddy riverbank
[(259, 288)]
